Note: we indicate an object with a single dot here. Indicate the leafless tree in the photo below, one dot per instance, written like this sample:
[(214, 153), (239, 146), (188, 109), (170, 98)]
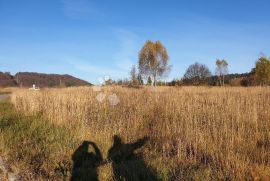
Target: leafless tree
[(197, 73)]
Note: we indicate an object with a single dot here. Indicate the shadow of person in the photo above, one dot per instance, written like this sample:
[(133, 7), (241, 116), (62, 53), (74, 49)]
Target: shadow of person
[(85, 163), (127, 165)]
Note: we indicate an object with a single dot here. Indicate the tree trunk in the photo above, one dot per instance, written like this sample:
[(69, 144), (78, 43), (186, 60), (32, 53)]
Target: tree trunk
[(155, 82)]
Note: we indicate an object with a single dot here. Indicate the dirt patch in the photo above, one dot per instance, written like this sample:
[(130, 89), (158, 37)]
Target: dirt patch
[(4, 97), (5, 172)]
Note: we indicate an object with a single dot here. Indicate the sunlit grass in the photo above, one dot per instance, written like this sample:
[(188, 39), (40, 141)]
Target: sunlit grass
[(196, 133)]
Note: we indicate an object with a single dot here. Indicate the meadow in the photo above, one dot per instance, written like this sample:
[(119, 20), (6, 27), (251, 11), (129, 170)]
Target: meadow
[(193, 133)]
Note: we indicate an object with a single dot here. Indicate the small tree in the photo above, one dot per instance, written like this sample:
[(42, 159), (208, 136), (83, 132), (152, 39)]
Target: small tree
[(139, 78), (149, 81), (134, 76), (109, 82), (262, 70), (221, 70), (197, 74), (153, 60)]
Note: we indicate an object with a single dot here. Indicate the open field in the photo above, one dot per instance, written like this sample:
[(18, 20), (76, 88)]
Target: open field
[(195, 133), (6, 90)]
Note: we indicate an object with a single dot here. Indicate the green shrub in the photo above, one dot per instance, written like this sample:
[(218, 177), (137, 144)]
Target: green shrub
[(34, 145)]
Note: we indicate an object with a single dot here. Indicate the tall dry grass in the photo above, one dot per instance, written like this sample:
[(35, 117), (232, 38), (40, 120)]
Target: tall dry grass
[(195, 132)]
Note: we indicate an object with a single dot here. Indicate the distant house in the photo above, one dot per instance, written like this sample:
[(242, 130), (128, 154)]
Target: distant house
[(34, 88)]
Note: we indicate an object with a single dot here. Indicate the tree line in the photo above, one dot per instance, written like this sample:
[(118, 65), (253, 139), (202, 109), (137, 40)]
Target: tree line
[(153, 65)]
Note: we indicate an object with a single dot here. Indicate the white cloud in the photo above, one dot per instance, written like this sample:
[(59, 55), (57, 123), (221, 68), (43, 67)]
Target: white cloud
[(87, 67), (97, 71), (120, 64), (128, 50), (80, 9)]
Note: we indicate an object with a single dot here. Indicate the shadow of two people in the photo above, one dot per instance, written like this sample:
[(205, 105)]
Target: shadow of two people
[(126, 164)]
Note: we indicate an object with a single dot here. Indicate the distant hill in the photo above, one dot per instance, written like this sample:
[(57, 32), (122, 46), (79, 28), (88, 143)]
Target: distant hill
[(27, 79), (245, 79), (7, 80)]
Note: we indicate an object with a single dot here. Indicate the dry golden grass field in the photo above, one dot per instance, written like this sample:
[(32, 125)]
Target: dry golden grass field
[(194, 133)]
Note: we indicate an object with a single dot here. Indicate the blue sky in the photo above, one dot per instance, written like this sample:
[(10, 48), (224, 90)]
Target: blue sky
[(95, 38)]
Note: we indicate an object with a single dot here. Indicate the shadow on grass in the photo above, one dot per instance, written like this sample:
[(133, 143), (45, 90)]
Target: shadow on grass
[(126, 164), (84, 163)]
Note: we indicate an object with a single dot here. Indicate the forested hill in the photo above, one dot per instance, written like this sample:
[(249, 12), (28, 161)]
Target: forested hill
[(27, 79), (7, 80), (245, 79)]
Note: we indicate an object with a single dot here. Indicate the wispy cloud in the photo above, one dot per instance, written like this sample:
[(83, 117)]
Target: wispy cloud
[(128, 49), (122, 59), (102, 71), (91, 69), (80, 9)]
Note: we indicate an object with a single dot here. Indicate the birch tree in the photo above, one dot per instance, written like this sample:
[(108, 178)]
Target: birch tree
[(153, 61), (221, 70)]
